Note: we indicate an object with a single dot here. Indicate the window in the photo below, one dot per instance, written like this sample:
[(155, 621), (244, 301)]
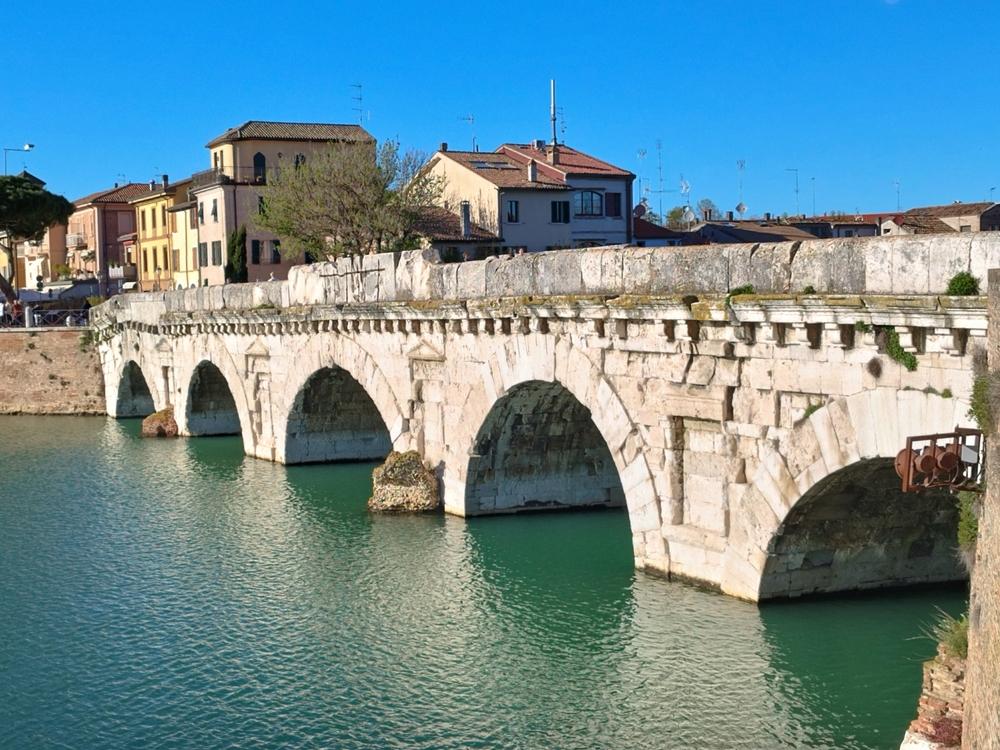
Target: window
[(177, 259), (192, 219), (173, 222), (163, 259), (613, 204), (145, 261), (217, 252), (275, 251), (513, 212), (163, 216), (588, 203), (142, 220), (560, 212), (259, 167), (152, 217), (965, 228), (255, 252), (848, 232), (215, 210), (201, 212), (202, 254), (260, 205), (300, 159)]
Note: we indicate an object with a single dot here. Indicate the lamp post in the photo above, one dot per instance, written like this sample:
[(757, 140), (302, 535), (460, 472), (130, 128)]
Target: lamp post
[(25, 147)]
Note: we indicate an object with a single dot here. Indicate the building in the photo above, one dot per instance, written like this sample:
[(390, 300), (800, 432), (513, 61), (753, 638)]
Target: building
[(454, 235), (914, 224), (184, 239), (839, 227), (94, 237), (748, 230), (964, 217), (232, 193), (648, 234), (152, 250), (539, 197)]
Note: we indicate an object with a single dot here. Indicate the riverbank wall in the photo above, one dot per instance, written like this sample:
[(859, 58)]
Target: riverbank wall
[(50, 371)]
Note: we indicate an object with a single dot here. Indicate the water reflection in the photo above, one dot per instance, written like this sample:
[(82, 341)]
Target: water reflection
[(173, 593)]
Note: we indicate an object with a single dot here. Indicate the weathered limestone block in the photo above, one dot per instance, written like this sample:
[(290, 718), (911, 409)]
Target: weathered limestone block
[(403, 485), (160, 424), (938, 725)]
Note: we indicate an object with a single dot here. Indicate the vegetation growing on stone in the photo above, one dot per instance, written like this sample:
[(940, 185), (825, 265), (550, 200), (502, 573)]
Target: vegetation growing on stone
[(963, 284), (874, 367), (810, 289), (862, 327), (983, 401), (737, 291), (895, 350), (968, 520), (952, 633)]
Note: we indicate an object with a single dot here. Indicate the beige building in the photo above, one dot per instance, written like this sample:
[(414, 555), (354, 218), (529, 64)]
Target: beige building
[(184, 240), (231, 193), (539, 197)]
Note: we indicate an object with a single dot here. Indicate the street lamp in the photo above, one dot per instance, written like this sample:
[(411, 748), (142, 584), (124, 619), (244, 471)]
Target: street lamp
[(25, 147)]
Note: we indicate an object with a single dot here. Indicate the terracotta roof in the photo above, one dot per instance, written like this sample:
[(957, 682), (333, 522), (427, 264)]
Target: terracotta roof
[(571, 161), (750, 231), (647, 230), (919, 224), (293, 131), (952, 209), (441, 225), (502, 170), (117, 194)]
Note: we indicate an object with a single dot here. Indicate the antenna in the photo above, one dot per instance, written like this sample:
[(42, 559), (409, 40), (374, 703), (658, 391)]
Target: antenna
[(552, 108), (641, 156), (471, 119), (685, 188), (741, 165), (562, 123), (358, 100), (796, 170), (899, 206), (659, 169), (813, 181)]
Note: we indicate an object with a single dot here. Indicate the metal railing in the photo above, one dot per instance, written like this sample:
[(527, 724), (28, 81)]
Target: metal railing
[(230, 176), (34, 317)]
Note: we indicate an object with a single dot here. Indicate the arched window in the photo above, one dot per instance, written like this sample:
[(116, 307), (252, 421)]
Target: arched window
[(259, 167), (300, 159), (588, 203)]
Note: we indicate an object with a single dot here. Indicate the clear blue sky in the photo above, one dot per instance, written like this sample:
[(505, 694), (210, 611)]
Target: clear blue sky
[(855, 93)]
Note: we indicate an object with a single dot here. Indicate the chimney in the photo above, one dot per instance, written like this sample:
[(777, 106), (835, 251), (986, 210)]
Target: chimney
[(708, 214), (729, 215), (767, 216), (553, 154), (164, 180), (532, 171), (152, 184), (444, 146), (465, 219), (540, 144)]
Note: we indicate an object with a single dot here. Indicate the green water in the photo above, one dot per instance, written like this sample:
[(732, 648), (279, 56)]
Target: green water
[(175, 594)]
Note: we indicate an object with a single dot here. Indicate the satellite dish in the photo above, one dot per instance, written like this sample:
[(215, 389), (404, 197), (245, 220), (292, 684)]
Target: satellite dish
[(639, 211), (688, 215), (741, 208)]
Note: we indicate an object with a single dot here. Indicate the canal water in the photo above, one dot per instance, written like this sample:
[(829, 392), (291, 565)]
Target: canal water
[(175, 594)]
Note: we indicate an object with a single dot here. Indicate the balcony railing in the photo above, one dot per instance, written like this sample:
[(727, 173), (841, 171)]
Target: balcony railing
[(75, 241), (229, 176), (126, 273)]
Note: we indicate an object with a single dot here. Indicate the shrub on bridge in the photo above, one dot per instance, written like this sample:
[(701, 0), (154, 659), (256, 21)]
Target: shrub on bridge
[(963, 284)]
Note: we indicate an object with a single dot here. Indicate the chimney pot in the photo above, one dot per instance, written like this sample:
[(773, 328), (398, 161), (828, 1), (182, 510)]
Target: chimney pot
[(152, 184), (729, 215), (465, 218), (444, 146), (165, 181), (767, 216), (553, 154), (532, 171)]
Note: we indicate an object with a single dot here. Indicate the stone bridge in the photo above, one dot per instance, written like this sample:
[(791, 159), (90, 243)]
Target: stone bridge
[(750, 437)]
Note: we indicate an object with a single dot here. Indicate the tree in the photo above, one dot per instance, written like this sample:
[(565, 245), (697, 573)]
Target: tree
[(27, 209), (349, 199), (707, 209), (675, 217), (236, 255)]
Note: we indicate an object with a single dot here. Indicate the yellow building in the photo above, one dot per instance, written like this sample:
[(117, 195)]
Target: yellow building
[(183, 216), (153, 253)]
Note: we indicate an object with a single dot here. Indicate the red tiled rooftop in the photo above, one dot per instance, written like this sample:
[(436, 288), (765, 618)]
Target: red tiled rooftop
[(117, 194), (571, 161)]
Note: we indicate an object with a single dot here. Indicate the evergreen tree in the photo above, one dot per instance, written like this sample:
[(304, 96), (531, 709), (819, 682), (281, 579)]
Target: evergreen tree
[(236, 256)]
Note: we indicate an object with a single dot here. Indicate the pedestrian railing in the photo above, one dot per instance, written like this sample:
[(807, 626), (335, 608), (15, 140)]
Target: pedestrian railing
[(30, 317)]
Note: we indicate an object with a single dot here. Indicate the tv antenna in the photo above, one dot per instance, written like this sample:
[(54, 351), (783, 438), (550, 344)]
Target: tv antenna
[(796, 171), (659, 169), (359, 101), (741, 165), (899, 205), (641, 156), (685, 189), (471, 119), (561, 111)]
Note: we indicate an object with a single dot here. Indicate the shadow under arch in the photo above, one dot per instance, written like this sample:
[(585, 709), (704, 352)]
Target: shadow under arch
[(855, 529), (334, 419), (211, 407), (539, 448), (134, 396)]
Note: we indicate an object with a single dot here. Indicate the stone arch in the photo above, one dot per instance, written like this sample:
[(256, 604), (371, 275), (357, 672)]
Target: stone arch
[(210, 403), (134, 397), (538, 448), (548, 368), (332, 418), (805, 481), (338, 354)]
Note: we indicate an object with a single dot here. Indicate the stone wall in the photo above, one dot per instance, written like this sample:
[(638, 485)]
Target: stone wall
[(938, 725), (982, 717), (889, 265), (50, 371)]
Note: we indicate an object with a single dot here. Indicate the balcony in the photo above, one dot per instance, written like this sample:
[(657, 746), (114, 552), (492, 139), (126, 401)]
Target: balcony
[(125, 273), (229, 176), (76, 241)]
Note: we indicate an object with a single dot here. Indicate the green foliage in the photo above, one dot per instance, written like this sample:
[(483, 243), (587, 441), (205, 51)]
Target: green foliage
[(61, 270), (951, 632), (810, 289), (895, 350), (968, 519), (27, 209), (95, 299), (946, 393), (87, 339), (963, 284), (675, 217), (811, 409), (736, 291), (862, 327), (983, 401), (351, 199), (236, 255)]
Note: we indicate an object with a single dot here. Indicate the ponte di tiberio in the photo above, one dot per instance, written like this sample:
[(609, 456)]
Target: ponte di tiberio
[(749, 437)]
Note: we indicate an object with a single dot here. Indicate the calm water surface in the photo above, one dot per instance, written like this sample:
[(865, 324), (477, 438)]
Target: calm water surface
[(174, 594)]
